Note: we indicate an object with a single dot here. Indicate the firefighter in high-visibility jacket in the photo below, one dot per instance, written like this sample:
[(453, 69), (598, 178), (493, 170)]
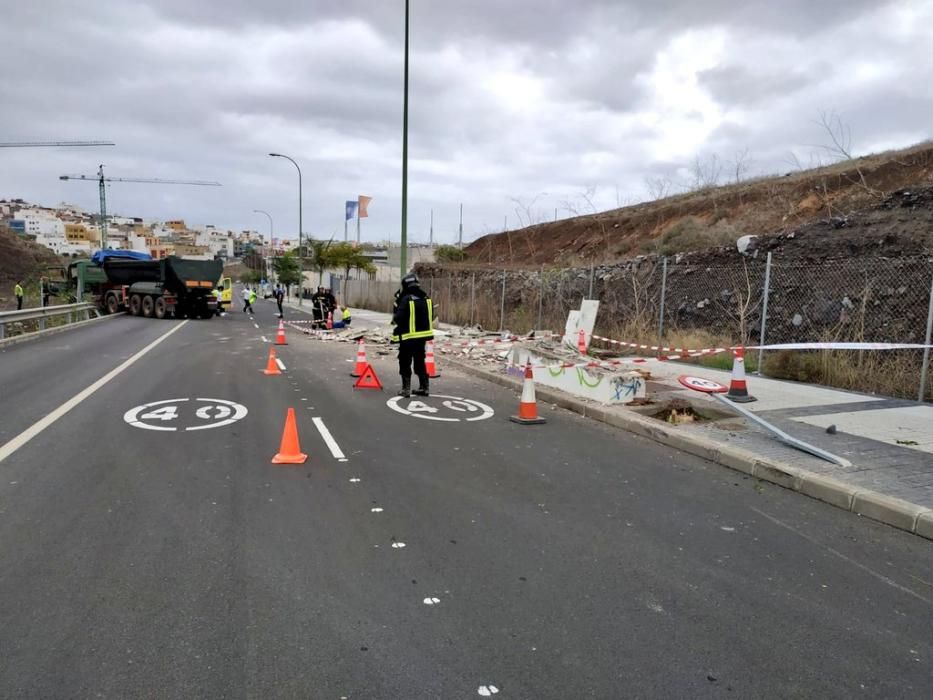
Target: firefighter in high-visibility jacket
[(414, 326)]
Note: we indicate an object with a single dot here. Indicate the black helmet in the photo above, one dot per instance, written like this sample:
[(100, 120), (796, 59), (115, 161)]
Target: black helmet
[(410, 280)]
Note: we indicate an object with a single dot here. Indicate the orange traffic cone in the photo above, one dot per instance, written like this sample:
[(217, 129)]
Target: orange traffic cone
[(581, 342), (528, 408), (429, 364), (290, 451), (330, 320), (272, 367), (360, 360), (280, 338), (738, 391)]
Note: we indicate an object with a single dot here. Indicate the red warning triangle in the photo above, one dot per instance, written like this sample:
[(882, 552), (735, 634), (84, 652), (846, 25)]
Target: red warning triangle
[(368, 379)]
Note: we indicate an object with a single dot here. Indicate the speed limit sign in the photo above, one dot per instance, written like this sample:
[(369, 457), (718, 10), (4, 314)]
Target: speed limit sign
[(699, 384)]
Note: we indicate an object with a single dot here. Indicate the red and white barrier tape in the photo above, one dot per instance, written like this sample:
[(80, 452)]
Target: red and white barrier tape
[(676, 353), (840, 346)]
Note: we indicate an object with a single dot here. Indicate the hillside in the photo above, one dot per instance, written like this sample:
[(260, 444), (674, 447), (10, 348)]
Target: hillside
[(21, 260), (830, 196)]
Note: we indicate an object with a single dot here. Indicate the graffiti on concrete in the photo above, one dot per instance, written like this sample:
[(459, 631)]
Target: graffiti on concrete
[(624, 387)]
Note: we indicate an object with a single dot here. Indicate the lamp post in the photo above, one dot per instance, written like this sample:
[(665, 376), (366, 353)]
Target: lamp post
[(271, 232), (300, 261), (403, 262)]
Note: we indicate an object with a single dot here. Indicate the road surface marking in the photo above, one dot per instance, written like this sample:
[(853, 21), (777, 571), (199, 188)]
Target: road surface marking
[(398, 545), (264, 339), (329, 439), (455, 404), (354, 480), (431, 601), (220, 411), (280, 364), (487, 690), (880, 577), (12, 445), (375, 510)]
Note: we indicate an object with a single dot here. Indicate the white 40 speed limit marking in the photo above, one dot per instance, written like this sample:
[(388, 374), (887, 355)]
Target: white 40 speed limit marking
[(166, 415), (470, 409)]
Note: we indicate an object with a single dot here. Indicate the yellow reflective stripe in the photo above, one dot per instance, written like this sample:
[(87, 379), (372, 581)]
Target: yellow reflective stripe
[(430, 313), (417, 334), (411, 319)]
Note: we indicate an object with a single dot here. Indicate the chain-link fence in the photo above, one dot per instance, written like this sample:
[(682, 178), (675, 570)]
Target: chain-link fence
[(756, 301)]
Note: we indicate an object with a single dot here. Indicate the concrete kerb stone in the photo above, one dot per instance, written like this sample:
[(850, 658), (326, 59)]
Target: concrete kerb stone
[(888, 509), (26, 337), (891, 511)]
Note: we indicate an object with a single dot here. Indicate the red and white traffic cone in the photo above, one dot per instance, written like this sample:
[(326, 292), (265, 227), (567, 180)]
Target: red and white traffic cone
[(330, 320), (738, 391), (429, 364), (528, 407), (280, 336), (581, 342), (360, 360)]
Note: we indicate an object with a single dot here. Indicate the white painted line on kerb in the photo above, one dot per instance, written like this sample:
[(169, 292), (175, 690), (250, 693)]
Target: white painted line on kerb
[(10, 447), (264, 339), (257, 325), (280, 364), (329, 439)]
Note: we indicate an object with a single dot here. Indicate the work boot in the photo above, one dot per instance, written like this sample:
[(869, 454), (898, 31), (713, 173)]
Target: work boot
[(406, 388), (422, 389)]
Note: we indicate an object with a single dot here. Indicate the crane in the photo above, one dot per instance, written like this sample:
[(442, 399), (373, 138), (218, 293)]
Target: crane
[(44, 144), (102, 182)]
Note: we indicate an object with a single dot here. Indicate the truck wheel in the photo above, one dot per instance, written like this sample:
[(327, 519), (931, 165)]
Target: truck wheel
[(136, 303), (113, 304), (160, 310), (148, 304)]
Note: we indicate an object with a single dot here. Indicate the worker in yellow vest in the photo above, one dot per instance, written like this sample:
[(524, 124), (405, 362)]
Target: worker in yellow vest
[(18, 293), (414, 326), (347, 317)]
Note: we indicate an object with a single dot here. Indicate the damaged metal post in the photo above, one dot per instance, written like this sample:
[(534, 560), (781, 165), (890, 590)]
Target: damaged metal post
[(663, 296), (764, 316), (924, 368), (502, 306), (472, 298)]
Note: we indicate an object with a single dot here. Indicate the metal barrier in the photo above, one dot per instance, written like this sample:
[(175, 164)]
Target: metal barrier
[(72, 312)]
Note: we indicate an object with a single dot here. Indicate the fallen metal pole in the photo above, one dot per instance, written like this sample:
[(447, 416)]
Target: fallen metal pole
[(782, 436)]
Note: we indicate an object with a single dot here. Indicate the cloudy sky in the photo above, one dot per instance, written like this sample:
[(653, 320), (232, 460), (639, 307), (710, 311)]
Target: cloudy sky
[(518, 107)]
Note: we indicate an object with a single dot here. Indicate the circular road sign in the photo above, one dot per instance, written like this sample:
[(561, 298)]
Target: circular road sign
[(171, 415), (699, 384), (451, 409)]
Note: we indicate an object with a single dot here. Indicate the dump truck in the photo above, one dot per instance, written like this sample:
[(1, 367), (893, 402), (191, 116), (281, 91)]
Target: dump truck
[(166, 288)]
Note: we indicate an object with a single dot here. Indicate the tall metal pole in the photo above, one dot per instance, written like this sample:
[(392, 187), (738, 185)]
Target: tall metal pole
[(764, 316), (502, 306), (301, 267), (926, 350), (403, 261), (431, 231), (460, 235), (663, 298), (103, 208)]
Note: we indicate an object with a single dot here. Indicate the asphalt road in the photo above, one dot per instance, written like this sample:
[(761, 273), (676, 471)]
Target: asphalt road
[(568, 560)]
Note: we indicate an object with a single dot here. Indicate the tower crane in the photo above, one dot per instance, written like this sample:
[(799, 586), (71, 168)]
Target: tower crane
[(45, 144), (102, 183)]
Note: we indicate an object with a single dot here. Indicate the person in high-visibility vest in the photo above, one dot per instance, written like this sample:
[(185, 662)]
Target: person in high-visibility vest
[(18, 293), (347, 316), (218, 292), (414, 326), (252, 299)]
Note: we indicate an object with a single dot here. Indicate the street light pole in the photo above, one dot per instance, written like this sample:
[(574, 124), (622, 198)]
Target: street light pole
[(271, 232), (403, 263), (301, 267)]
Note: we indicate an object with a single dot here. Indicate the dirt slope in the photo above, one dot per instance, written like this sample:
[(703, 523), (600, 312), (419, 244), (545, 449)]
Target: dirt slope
[(24, 260), (830, 196)]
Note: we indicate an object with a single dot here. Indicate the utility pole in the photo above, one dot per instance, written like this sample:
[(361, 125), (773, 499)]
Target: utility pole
[(301, 267), (403, 262), (431, 231), (271, 235), (102, 184), (460, 234)]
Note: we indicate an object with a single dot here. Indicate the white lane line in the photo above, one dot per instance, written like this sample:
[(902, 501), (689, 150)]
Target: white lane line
[(264, 339), (329, 439), (11, 446), (280, 364)]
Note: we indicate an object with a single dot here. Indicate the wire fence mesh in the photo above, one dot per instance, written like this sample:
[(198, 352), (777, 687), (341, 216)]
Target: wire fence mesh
[(703, 306)]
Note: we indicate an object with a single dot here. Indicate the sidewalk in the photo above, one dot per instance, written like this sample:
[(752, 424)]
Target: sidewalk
[(888, 441)]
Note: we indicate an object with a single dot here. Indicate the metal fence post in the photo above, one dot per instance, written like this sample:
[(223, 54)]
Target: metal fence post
[(502, 306), (764, 316), (540, 297), (472, 297), (663, 299), (592, 274), (926, 351), (450, 298)]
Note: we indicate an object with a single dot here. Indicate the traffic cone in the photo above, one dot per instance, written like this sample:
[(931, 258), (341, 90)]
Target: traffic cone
[(290, 451), (528, 407), (280, 337), (581, 342), (738, 391), (272, 367), (330, 320), (429, 363), (360, 360)]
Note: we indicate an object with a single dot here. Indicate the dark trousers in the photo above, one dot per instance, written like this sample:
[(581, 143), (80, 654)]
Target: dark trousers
[(19, 303), (278, 303), (411, 351)]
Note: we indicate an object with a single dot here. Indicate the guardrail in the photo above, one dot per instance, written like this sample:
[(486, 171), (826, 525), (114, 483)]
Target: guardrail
[(72, 312)]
